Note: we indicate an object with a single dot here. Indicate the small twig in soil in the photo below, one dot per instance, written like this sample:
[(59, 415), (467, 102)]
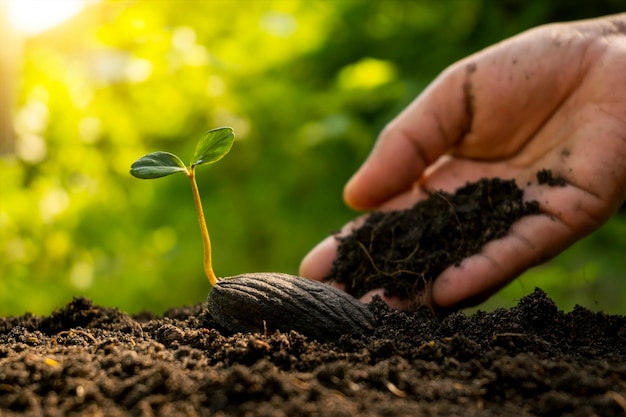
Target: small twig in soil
[(373, 234), (409, 256), (362, 246), (393, 389), (618, 398), (456, 217), (72, 332)]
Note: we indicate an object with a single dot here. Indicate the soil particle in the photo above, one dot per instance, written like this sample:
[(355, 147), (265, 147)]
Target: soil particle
[(545, 177)]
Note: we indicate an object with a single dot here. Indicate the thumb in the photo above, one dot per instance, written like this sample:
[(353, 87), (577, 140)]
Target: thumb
[(431, 125)]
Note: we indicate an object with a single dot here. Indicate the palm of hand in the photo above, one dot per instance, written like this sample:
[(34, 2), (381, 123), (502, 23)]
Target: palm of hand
[(554, 98)]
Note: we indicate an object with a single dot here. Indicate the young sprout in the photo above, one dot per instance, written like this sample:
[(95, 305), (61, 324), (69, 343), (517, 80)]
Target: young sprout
[(254, 302), (211, 148)]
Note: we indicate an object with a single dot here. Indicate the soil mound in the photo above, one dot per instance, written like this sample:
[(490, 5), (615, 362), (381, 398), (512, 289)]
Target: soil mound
[(530, 360)]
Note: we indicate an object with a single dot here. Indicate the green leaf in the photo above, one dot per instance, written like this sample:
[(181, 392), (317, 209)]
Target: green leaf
[(156, 165), (213, 146)]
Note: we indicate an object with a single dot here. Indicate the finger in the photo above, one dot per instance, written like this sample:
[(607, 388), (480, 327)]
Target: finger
[(425, 130), (318, 262)]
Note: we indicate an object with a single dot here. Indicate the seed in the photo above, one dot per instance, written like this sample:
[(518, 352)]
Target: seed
[(273, 301)]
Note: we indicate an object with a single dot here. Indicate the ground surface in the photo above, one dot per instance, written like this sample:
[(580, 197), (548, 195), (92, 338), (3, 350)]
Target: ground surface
[(530, 360)]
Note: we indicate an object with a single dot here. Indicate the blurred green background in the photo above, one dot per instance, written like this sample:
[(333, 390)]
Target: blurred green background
[(307, 85)]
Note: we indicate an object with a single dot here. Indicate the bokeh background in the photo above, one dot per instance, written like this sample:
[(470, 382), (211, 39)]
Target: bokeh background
[(88, 87)]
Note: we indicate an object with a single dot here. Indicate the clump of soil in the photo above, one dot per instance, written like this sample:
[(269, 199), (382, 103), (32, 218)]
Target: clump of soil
[(404, 251), (530, 360), (545, 177)]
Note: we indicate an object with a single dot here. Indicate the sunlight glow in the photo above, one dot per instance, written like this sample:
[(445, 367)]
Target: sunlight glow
[(31, 17)]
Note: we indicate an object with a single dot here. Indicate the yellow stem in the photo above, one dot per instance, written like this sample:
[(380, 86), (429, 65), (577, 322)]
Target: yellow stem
[(208, 267)]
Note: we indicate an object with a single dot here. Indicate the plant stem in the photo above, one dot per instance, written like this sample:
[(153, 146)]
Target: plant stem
[(208, 266)]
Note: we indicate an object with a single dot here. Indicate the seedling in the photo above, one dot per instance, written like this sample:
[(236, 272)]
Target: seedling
[(211, 148), (254, 302)]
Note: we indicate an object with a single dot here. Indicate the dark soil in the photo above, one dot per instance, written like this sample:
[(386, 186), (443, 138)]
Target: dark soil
[(545, 177), (404, 251), (530, 360)]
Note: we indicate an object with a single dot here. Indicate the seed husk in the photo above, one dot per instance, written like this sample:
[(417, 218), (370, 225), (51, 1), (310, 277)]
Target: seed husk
[(259, 302)]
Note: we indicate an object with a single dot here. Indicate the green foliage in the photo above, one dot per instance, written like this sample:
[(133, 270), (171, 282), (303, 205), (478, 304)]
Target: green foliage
[(156, 165), (213, 146), (307, 86)]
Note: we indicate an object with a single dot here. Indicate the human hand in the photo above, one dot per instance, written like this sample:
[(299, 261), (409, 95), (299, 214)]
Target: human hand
[(554, 98)]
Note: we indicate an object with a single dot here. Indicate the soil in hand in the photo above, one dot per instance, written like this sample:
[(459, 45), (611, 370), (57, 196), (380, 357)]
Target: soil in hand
[(404, 251)]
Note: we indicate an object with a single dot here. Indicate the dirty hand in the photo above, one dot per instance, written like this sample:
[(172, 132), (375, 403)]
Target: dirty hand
[(553, 97)]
